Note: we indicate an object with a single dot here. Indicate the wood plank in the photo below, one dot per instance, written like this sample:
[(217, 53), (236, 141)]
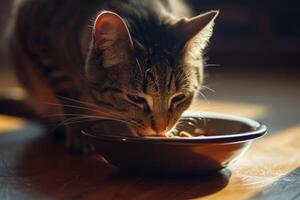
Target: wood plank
[(34, 166), (286, 188)]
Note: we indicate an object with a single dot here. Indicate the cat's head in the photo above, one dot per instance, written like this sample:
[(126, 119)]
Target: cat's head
[(147, 71)]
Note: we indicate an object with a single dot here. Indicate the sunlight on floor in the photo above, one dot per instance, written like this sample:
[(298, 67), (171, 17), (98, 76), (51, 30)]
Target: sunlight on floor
[(9, 124), (235, 108), (268, 160)]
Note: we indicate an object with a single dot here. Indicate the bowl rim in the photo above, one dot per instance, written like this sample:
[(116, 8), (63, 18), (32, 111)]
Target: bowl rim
[(259, 130)]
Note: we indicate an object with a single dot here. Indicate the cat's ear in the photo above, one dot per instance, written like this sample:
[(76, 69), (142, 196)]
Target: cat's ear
[(198, 29), (112, 39)]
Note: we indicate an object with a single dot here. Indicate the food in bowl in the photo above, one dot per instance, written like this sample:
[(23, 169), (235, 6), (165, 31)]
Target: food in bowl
[(197, 132), (191, 127)]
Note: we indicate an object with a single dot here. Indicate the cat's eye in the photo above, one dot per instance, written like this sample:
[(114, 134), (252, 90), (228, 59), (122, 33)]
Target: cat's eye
[(141, 102), (178, 98), (136, 99)]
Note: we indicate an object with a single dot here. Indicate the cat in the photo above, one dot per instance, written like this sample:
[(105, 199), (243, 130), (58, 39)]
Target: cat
[(130, 61)]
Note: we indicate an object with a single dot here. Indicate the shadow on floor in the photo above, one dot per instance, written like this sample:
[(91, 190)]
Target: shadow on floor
[(36, 166), (286, 188)]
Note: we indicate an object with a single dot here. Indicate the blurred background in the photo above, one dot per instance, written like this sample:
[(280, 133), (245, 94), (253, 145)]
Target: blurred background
[(254, 56), (257, 35)]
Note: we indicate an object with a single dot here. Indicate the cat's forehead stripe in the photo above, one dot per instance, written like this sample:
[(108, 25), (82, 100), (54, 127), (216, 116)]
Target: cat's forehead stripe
[(149, 76), (170, 81)]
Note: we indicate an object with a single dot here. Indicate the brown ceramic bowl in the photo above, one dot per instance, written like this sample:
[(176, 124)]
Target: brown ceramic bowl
[(182, 156)]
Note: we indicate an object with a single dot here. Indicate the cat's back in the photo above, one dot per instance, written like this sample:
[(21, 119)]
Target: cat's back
[(49, 15), (52, 27)]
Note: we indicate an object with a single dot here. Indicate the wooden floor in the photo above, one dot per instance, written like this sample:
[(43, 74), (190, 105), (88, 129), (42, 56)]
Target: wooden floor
[(35, 166)]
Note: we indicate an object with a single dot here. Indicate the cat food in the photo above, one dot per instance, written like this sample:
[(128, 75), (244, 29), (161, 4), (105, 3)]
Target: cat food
[(184, 134), (198, 132)]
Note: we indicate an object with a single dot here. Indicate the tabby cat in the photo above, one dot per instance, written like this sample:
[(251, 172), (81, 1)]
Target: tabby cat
[(131, 61)]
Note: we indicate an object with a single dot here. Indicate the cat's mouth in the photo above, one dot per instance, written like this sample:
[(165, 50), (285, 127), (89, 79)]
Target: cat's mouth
[(150, 133)]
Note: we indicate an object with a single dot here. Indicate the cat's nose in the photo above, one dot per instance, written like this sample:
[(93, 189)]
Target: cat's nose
[(161, 132), (159, 125)]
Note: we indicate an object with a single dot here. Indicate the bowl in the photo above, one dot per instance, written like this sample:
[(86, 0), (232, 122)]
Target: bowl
[(177, 156)]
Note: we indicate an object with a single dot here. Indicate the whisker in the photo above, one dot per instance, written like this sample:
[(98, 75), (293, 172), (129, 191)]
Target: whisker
[(138, 63), (208, 88), (204, 97), (198, 107), (63, 122), (81, 118), (107, 114), (212, 65), (78, 101), (116, 119), (79, 107), (60, 115), (81, 121), (190, 121), (89, 119)]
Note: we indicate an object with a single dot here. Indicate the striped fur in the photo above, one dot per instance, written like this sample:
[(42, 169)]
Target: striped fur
[(56, 56)]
